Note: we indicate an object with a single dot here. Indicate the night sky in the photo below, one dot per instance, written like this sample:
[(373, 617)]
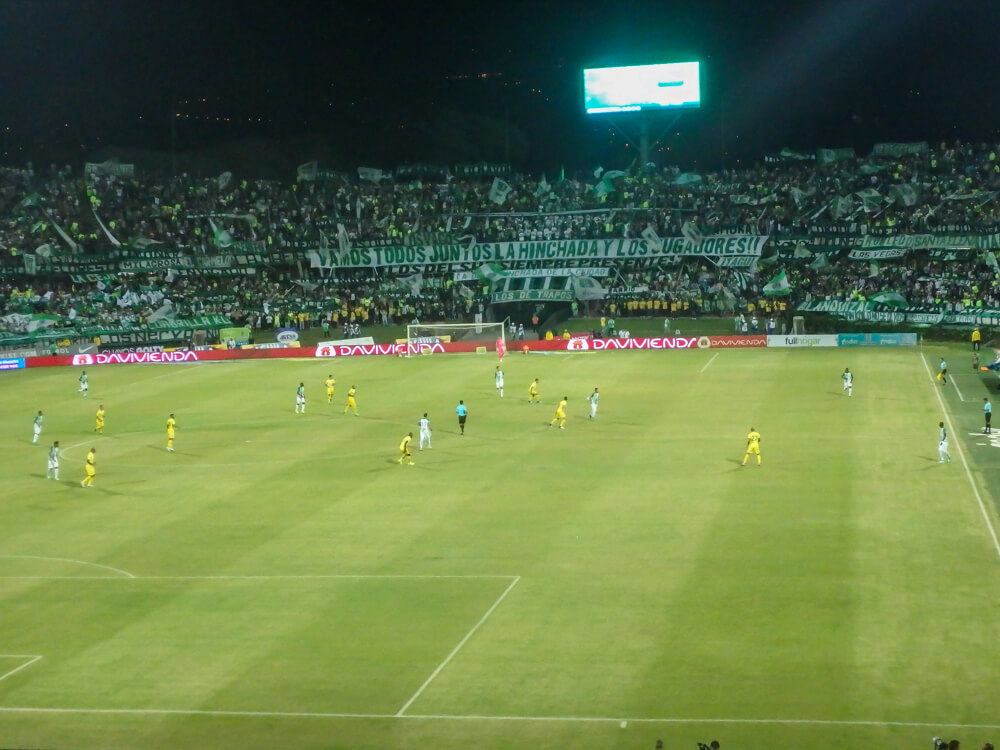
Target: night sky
[(387, 83)]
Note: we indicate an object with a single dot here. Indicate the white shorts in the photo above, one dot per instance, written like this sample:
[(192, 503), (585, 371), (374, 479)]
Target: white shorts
[(53, 465), (300, 400), (943, 446), (38, 430), (425, 434)]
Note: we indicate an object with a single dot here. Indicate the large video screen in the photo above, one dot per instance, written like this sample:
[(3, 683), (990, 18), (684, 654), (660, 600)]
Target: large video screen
[(637, 87)]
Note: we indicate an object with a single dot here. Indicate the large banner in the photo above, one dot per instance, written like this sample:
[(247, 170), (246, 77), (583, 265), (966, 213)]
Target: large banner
[(160, 331), (533, 295), (537, 273), (918, 315), (746, 245), (932, 241), (895, 150)]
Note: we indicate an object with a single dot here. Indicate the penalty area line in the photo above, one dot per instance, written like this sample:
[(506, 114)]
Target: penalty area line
[(447, 660), (31, 659), (710, 361), (961, 454)]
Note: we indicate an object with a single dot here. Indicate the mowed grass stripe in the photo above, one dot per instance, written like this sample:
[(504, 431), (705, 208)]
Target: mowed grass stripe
[(656, 574)]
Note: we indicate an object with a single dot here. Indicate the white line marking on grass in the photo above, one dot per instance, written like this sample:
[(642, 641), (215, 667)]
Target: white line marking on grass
[(66, 560), (31, 659), (710, 361), (290, 577), (471, 717), (458, 648), (955, 383), (965, 463)]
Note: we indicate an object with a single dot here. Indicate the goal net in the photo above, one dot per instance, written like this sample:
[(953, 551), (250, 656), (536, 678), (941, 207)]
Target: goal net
[(420, 337)]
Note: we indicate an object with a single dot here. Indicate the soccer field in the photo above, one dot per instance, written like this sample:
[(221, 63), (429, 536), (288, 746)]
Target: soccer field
[(280, 581)]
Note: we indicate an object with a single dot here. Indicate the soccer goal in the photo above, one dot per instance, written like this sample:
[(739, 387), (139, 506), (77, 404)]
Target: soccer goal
[(419, 338)]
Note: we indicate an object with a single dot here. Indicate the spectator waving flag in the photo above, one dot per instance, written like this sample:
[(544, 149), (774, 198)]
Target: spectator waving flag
[(778, 286), (220, 237), (499, 191)]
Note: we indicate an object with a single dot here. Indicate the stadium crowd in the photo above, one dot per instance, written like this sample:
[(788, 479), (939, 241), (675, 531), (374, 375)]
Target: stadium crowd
[(55, 213)]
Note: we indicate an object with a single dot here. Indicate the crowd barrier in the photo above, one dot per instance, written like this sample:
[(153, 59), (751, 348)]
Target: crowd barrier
[(335, 349)]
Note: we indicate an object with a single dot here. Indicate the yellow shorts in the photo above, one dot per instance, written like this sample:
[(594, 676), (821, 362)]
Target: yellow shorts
[(352, 404), (329, 392), (90, 471), (755, 449)]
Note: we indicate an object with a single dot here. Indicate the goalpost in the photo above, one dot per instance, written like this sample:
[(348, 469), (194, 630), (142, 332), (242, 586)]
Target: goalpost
[(485, 335)]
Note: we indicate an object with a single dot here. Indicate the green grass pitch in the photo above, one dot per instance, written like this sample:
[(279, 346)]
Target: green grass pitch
[(280, 581)]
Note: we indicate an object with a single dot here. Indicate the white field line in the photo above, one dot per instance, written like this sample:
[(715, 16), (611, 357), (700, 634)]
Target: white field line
[(710, 361), (458, 648), (289, 577), (121, 572), (473, 717), (965, 463), (954, 382), (31, 659)]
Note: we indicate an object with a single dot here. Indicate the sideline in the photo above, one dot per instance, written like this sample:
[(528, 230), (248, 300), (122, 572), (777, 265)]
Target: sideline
[(965, 463)]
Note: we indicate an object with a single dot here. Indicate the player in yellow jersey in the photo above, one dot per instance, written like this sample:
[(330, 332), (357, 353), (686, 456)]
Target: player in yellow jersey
[(352, 401), (331, 385), (99, 420), (560, 416), (171, 424), (404, 450), (753, 447), (534, 392), (90, 469)]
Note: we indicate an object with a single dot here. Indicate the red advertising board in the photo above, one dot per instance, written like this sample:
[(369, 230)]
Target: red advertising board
[(328, 350), (737, 342)]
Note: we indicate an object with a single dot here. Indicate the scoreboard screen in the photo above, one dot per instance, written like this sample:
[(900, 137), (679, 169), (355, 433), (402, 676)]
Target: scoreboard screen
[(634, 88)]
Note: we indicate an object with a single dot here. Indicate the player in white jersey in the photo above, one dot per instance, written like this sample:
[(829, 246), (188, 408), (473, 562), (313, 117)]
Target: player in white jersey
[(848, 378), (300, 399), (425, 431), (498, 377), (943, 455), (37, 426), (53, 470), (84, 384), (593, 398)]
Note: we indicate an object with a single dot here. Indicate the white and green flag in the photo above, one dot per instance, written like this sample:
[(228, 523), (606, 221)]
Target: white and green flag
[(831, 155), (891, 299), (543, 188), (905, 194), (691, 233), (307, 172), (778, 286), (491, 272), (223, 180), (586, 288), (220, 237), (801, 251), (371, 174), (687, 178), (413, 283), (343, 241), (499, 191), (799, 196), (871, 199), (652, 238)]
